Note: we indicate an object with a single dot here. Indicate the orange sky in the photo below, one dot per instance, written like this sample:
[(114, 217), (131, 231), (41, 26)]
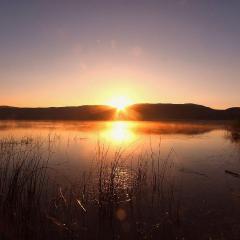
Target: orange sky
[(89, 52)]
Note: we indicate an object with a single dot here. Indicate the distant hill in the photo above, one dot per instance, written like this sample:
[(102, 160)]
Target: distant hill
[(146, 112), (91, 112), (182, 112)]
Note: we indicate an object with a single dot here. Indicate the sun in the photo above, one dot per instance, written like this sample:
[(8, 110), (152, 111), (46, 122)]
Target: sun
[(120, 103)]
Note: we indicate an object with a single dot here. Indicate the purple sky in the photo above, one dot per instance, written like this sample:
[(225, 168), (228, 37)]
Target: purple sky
[(57, 53)]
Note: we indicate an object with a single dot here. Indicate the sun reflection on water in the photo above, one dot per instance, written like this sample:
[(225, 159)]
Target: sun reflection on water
[(119, 131)]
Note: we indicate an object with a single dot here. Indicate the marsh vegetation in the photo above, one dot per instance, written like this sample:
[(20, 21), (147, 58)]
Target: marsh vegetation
[(115, 198), (122, 193)]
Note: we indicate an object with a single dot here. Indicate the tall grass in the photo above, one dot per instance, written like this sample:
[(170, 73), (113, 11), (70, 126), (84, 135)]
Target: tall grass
[(23, 178), (120, 196), (233, 131)]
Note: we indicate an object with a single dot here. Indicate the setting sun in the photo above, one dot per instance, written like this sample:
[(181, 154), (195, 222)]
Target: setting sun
[(120, 103)]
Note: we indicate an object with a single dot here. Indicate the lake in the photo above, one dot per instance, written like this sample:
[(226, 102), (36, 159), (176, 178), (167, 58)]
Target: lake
[(200, 154)]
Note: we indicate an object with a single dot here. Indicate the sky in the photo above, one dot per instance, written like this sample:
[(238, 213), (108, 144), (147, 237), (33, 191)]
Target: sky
[(66, 52)]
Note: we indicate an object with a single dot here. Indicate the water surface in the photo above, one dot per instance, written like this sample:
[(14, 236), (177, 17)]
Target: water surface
[(201, 153)]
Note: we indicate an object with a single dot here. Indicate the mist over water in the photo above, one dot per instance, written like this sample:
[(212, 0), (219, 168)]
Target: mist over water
[(200, 152), (201, 146)]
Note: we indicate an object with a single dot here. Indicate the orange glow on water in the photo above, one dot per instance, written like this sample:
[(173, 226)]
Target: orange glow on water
[(119, 131)]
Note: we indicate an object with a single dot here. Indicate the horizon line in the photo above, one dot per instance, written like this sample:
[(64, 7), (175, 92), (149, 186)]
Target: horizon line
[(107, 105)]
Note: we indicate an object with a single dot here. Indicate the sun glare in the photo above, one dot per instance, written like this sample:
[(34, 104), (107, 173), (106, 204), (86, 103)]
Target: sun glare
[(119, 131), (120, 103)]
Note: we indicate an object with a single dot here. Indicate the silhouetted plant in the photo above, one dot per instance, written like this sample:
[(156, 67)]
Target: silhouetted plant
[(120, 196)]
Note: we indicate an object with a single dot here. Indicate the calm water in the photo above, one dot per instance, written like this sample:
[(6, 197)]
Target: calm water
[(199, 148), (201, 152)]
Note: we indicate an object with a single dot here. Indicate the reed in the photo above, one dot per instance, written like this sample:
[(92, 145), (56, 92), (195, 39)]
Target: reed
[(120, 195)]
